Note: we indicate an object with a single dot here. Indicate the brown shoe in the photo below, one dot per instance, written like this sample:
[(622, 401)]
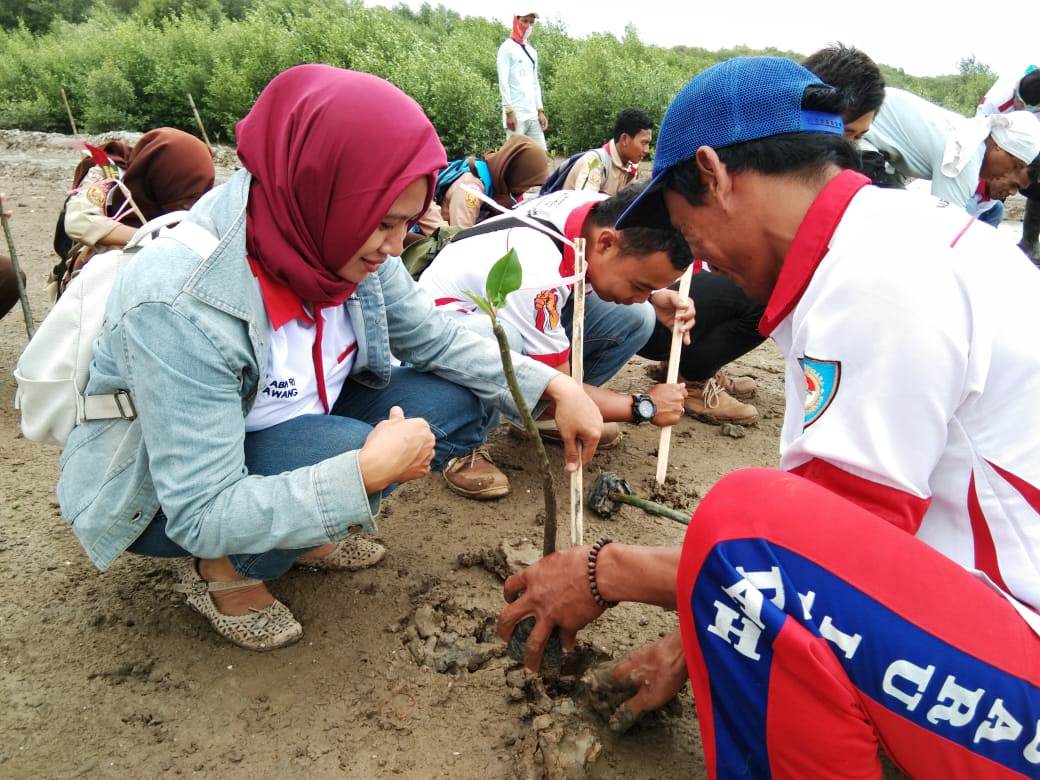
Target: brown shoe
[(740, 387), (476, 476), (709, 403), (550, 433)]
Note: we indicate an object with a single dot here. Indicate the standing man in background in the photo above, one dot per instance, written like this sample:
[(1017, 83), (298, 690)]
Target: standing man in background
[(522, 110)]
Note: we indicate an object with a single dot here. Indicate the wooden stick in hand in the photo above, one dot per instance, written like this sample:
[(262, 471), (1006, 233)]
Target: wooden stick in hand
[(665, 445)]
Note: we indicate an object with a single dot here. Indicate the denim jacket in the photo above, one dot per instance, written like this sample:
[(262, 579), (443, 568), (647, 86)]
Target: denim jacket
[(187, 337)]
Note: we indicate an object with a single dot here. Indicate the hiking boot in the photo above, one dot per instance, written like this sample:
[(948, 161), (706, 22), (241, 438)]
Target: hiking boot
[(476, 476), (610, 438), (709, 403), (740, 387)]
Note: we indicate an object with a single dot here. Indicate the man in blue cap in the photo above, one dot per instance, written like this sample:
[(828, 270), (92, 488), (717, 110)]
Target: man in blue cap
[(884, 586)]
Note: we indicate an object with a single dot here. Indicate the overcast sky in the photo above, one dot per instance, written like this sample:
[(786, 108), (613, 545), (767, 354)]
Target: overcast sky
[(924, 37)]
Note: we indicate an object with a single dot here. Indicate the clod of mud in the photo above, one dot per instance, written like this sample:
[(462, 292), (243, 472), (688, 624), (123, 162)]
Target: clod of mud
[(671, 493), (732, 430), (552, 654), (562, 741), (558, 747), (450, 637), (505, 560)]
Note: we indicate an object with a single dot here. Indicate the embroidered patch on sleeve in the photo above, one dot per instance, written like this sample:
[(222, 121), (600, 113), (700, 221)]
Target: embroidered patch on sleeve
[(97, 195), (822, 378)]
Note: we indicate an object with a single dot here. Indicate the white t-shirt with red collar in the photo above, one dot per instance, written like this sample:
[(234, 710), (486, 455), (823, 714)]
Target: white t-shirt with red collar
[(912, 375), (535, 310), (310, 354)]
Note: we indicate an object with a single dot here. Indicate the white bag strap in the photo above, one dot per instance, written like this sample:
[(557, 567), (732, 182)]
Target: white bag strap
[(196, 238), (153, 226)]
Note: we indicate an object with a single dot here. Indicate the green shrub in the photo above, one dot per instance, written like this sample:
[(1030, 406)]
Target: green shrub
[(132, 63)]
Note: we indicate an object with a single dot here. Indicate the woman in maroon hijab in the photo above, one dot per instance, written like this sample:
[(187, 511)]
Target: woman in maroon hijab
[(269, 416)]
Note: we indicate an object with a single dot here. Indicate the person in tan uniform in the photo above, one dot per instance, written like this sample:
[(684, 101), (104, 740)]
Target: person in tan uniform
[(505, 175), (615, 165)]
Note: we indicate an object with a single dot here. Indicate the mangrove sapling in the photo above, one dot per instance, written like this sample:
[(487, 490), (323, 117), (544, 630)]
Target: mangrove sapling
[(504, 278)]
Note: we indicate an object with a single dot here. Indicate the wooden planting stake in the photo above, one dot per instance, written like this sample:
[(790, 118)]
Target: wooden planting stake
[(30, 327), (68, 110), (198, 119), (673, 374), (578, 374)]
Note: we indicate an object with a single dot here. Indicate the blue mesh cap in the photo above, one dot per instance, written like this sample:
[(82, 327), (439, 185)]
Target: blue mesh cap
[(741, 99)]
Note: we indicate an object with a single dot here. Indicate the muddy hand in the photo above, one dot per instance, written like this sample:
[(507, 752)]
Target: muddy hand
[(669, 402), (555, 591), (657, 671)]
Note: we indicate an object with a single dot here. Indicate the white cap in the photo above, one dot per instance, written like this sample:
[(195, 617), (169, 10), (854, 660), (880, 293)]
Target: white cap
[(1019, 135)]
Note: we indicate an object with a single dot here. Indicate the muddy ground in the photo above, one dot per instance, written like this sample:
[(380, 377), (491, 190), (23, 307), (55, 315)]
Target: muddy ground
[(113, 675)]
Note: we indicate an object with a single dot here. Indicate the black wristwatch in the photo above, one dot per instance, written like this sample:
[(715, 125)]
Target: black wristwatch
[(643, 408)]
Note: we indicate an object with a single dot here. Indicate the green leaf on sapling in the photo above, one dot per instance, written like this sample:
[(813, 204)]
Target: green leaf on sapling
[(504, 278), (482, 303)]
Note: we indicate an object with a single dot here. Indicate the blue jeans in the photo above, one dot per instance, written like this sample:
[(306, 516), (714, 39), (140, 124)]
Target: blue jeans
[(458, 419), (613, 334), (994, 215)]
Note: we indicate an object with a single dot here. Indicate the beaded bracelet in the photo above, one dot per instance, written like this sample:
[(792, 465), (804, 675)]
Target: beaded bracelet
[(602, 542)]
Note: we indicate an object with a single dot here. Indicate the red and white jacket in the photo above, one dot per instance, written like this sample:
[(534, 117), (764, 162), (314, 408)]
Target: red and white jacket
[(913, 375)]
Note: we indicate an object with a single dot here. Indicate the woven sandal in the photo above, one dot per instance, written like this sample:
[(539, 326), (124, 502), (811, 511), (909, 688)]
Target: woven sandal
[(352, 554), (262, 629)]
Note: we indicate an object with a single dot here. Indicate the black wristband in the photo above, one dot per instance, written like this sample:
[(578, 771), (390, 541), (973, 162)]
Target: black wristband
[(600, 543)]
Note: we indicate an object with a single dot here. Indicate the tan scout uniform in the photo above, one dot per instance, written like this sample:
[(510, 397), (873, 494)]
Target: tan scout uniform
[(589, 172)]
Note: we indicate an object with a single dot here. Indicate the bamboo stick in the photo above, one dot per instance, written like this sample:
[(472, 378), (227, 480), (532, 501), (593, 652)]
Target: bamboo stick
[(68, 110), (198, 119), (23, 296), (665, 445), (578, 373)]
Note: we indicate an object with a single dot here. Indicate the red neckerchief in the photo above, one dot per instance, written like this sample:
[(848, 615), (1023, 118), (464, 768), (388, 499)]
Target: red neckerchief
[(572, 229), (810, 246), (519, 29), (983, 191)]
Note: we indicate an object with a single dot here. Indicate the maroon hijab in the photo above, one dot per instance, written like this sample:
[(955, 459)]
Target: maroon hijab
[(329, 150)]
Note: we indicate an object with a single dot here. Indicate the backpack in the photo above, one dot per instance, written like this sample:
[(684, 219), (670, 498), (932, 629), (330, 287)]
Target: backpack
[(53, 369), (419, 255), (456, 168), (558, 177)]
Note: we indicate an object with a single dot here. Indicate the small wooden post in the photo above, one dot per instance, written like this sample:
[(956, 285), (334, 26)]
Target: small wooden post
[(68, 110), (665, 445), (30, 327), (198, 119), (577, 374)]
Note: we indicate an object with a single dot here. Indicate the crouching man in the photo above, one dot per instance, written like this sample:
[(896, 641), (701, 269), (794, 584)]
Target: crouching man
[(882, 589), (628, 271)]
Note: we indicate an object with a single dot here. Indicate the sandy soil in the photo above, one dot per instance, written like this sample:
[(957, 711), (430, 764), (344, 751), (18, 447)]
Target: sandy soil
[(113, 675)]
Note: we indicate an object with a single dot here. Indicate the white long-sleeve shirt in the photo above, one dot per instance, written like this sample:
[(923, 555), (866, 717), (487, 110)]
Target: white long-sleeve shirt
[(913, 135), (518, 80)]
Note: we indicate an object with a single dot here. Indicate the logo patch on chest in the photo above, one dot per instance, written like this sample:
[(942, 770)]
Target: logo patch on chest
[(822, 378)]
